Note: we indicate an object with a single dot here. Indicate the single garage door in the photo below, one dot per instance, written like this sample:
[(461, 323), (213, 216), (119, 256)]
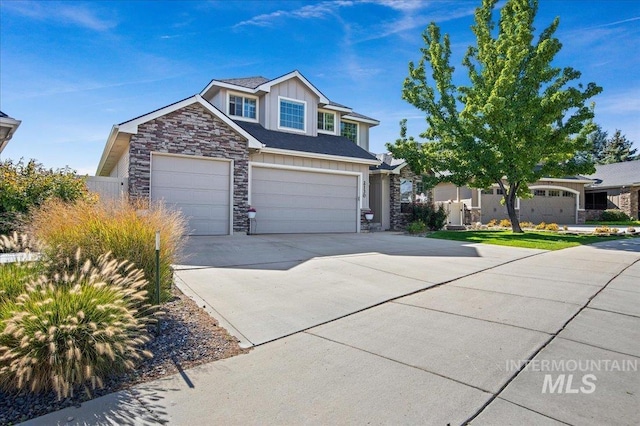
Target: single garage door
[(197, 186), (292, 201), (549, 206)]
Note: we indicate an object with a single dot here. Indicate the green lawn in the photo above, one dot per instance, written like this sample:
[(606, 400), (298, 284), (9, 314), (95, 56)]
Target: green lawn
[(530, 239), (628, 223)]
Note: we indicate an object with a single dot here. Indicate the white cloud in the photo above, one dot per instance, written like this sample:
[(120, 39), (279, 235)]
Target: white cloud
[(67, 13), (318, 10)]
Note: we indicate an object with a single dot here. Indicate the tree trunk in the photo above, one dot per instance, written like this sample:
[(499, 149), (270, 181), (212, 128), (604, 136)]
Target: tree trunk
[(510, 202)]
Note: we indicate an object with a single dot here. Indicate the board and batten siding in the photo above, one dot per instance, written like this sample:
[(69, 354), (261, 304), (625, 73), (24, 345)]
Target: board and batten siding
[(121, 170), (314, 163), (292, 89)]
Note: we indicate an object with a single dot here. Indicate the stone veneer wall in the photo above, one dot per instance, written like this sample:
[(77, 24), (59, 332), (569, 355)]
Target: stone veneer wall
[(398, 220), (191, 130)]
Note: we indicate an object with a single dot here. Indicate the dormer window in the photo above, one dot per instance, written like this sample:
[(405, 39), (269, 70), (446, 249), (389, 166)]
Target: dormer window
[(326, 122), (291, 114), (242, 106), (349, 130)]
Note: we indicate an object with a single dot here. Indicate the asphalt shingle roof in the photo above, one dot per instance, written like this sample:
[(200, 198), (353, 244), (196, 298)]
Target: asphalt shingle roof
[(248, 82), (321, 144), (2, 114), (626, 173)]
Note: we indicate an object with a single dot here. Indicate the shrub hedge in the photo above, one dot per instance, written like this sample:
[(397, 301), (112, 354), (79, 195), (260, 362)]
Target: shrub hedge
[(434, 218)]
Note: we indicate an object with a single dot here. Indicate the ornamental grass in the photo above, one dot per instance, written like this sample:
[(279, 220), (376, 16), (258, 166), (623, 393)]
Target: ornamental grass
[(74, 328), (125, 229)]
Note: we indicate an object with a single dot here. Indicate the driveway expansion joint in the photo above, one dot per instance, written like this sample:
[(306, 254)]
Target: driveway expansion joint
[(399, 362), (551, 339)]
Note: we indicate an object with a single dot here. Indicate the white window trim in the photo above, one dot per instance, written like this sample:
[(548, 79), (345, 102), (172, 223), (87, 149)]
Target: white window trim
[(291, 129), (243, 95), (357, 129), (336, 125)]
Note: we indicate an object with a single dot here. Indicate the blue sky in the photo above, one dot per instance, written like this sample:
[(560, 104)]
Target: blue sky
[(70, 70)]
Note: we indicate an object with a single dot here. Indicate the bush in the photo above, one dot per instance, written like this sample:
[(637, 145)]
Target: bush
[(15, 276), (416, 227), (119, 227), (552, 227), (434, 218), (527, 224), (613, 215), (605, 230), (492, 223), (26, 186), (505, 223), (74, 328), (541, 226)]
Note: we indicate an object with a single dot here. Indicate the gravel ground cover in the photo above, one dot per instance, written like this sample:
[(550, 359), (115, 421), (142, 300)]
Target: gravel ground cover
[(188, 337)]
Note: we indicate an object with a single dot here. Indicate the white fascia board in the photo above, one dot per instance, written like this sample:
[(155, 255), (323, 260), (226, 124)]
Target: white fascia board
[(216, 83), (337, 108), (585, 181), (361, 120), (267, 86), (107, 150), (132, 126), (268, 150)]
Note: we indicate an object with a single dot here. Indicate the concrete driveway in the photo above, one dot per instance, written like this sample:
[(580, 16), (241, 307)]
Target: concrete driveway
[(264, 287), (478, 349)]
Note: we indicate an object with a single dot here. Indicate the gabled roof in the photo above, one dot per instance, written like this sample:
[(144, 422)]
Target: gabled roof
[(337, 147), (248, 82), (614, 175), (121, 133), (388, 164), (261, 84), (8, 127)]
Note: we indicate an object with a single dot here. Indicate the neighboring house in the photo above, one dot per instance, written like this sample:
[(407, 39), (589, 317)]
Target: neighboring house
[(279, 145), (8, 127), (559, 200), (554, 200), (615, 186)]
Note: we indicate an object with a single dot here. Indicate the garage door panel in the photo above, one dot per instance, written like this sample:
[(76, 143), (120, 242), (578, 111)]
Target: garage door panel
[(292, 201), (181, 180), (285, 177), (198, 187), (303, 189), (307, 201)]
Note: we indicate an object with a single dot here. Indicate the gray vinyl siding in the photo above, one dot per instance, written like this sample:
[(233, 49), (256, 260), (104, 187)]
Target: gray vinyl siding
[(121, 170), (292, 89)]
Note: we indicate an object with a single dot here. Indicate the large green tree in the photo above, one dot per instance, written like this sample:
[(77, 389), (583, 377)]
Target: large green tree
[(617, 149), (518, 118)]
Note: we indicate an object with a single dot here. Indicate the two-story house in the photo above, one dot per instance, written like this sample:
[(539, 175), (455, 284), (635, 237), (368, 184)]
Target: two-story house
[(279, 146)]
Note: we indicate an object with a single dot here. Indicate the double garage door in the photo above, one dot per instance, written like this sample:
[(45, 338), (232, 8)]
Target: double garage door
[(287, 201), (546, 206)]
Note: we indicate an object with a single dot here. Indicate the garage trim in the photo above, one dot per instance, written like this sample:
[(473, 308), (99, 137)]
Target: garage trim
[(312, 170), (199, 157), (562, 188)]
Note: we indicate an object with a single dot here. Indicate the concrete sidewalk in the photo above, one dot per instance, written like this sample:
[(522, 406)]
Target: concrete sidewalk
[(442, 355)]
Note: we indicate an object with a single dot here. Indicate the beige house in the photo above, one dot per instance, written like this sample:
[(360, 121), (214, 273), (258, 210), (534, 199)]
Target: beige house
[(277, 145), (552, 200)]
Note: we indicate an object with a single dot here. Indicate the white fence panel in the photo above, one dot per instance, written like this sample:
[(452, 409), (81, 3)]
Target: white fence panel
[(108, 188)]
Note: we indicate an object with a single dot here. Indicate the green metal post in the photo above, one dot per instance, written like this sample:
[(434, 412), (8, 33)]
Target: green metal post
[(158, 276)]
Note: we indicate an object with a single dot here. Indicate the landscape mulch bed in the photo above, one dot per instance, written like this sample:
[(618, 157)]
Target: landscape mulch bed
[(188, 337)]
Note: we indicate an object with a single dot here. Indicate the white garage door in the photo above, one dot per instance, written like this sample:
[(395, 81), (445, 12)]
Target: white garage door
[(292, 201), (197, 186)]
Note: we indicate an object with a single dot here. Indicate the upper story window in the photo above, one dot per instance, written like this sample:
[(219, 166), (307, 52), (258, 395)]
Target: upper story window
[(292, 114), (241, 106), (349, 130), (326, 121)]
